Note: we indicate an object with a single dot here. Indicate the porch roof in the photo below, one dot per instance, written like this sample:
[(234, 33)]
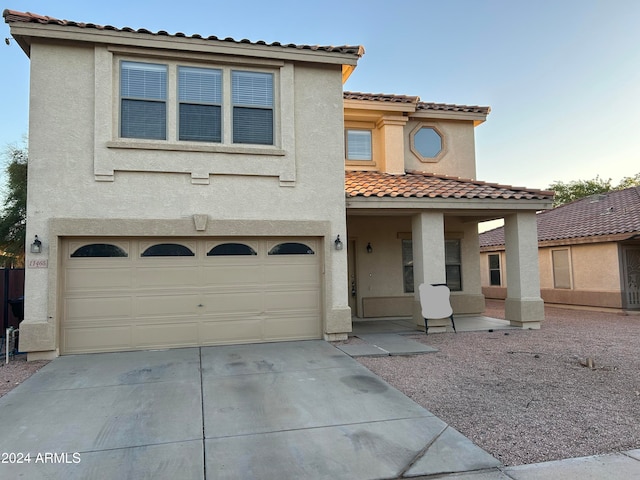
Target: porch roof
[(427, 185)]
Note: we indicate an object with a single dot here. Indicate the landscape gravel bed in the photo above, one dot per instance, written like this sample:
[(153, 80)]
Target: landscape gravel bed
[(570, 389)]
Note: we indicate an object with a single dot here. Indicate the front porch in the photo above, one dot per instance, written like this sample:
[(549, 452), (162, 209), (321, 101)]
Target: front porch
[(406, 325)]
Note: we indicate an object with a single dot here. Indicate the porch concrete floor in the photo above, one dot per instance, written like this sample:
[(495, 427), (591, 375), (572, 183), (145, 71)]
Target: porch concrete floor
[(406, 325)]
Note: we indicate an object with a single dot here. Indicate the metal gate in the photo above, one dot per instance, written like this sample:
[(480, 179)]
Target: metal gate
[(631, 268)]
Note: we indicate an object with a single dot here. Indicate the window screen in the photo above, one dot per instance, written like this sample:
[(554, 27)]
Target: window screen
[(143, 93), (358, 144), (200, 99), (561, 269), (252, 96)]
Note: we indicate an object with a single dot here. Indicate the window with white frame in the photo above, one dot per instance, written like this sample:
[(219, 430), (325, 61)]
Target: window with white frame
[(358, 144), (201, 103), (494, 270)]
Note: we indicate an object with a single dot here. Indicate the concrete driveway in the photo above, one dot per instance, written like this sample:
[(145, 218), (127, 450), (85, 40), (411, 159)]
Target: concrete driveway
[(269, 411)]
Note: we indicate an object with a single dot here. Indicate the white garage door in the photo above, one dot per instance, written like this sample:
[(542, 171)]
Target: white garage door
[(129, 294)]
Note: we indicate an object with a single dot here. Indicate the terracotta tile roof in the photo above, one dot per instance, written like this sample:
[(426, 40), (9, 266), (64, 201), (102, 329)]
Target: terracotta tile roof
[(391, 98), (380, 97), (11, 16), (611, 213), (425, 185)]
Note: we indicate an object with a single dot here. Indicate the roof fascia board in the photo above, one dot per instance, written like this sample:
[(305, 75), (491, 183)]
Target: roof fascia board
[(380, 106), (477, 118), (393, 203), (57, 32)]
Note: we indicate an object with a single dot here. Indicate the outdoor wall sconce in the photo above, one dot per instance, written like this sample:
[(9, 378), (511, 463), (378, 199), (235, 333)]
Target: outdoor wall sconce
[(338, 243), (36, 246), (369, 248)]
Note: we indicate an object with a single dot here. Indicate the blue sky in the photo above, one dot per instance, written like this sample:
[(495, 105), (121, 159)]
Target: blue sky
[(562, 77)]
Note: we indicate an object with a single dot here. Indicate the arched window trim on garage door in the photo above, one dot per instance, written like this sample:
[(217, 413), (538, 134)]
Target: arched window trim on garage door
[(291, 248), (99, 250), (167, 250), (229, 249)]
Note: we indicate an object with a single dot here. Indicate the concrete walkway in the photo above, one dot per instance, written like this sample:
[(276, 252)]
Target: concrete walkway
[(295, 410)]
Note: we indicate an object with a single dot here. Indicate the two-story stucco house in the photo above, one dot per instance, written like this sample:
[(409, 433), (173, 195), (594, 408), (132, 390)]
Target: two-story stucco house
[(200, 191)]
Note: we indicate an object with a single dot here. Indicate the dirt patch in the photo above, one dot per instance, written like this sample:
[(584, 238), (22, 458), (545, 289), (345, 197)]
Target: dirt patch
[(17, 371), (570, 389)]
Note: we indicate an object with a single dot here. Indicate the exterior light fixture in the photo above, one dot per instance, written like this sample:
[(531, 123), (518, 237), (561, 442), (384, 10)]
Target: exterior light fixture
[(338, 243), (36, 246), (369, 248)]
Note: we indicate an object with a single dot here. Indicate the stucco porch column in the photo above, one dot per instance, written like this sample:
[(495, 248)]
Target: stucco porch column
[(523, 307), (427, 230)]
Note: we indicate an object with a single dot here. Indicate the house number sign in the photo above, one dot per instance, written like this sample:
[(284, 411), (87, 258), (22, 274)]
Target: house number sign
[(38, 263)]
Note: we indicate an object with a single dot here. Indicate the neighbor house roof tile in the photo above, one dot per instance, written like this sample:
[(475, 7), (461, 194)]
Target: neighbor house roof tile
[(611, 213), (425, 185), (11, 16)]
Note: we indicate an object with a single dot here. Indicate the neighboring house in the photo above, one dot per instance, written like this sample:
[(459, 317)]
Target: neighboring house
[(191, 191), (589, 253)]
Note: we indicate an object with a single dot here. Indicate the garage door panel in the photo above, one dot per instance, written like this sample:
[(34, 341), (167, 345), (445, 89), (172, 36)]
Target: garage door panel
[(165, 276), (299, 327), (97, 339), (299, 300), (284, 273), (235, 274), (182, 334), (249, 303), (83, 279), (240, 330), (97, 307), (166, 304)]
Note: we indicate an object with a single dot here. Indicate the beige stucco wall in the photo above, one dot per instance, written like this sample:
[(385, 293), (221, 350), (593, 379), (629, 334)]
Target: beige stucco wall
[(71, 142), (595, 276), (458, 157)]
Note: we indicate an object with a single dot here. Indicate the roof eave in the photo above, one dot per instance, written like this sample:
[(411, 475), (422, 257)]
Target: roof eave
[(476, 117), (26, 33), (436, 203)]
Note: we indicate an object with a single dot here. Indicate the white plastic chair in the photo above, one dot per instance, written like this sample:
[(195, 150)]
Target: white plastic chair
[(435, 303)]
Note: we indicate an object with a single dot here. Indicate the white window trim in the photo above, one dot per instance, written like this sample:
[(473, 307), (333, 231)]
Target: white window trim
[(569, 266)]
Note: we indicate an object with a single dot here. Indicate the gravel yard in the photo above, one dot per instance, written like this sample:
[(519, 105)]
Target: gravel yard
[(529, 396)]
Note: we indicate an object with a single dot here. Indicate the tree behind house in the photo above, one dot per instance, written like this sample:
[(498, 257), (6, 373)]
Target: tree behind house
[(577, 189), (14, 213)]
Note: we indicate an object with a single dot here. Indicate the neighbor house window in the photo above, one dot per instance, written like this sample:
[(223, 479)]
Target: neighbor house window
[(252, 94), (494, 269), (358, 144), (453, 264), (561, 268), (143, 96), (200, 104), (407, 265)]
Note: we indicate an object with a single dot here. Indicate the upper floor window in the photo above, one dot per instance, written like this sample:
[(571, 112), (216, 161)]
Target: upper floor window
[(195, 107), (428, 142), (200, 104), (143, 94), (358, 144), (252, 107)]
